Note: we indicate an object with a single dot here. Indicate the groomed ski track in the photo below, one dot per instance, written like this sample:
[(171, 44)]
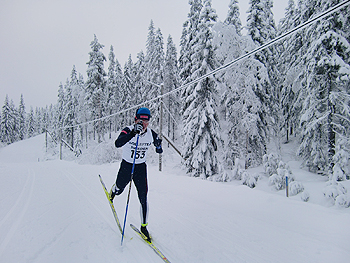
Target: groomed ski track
[(55, 211)]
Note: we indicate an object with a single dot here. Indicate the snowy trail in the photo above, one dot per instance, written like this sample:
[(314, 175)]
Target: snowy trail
[(18, 201), (58, 218), (56, 211), (230, 224), (18, 211)]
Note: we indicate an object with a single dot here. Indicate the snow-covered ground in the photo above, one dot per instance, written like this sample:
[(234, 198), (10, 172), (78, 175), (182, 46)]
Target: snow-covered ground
[(56, 211)]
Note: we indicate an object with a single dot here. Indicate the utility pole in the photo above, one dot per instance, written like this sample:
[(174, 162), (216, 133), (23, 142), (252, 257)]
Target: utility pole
[(61, 137), (161, 124), (160, 118)]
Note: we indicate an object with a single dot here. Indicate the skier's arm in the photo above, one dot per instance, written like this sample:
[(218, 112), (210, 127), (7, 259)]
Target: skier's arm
[(125, 135), (157, 142)]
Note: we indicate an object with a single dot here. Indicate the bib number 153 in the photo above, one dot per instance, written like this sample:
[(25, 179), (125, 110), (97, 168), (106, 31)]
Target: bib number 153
[(138, 155)]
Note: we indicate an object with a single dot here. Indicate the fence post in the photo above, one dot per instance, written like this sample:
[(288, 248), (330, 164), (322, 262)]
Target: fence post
[(46, 139), (246, 150), (161, 125), (60, 144)]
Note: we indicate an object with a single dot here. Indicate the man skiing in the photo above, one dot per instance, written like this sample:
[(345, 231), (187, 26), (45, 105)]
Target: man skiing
[(127, 140)]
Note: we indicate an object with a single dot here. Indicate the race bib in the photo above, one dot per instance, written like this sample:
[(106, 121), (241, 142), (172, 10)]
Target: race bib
[(145, 141)]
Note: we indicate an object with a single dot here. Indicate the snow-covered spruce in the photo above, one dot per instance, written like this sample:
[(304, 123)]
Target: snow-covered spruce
[(333, 190)]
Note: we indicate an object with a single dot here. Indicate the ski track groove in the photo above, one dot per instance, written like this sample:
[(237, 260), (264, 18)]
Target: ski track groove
[(50, 243), (76, 183), (208, 236), (14, 226), (19, 199), (180, 219)]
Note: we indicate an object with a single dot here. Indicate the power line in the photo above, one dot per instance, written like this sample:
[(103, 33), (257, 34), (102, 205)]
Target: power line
[(268, 44), (324, 14)]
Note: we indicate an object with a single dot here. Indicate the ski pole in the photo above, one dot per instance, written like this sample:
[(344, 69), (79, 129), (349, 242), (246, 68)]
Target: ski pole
[(132, 175)]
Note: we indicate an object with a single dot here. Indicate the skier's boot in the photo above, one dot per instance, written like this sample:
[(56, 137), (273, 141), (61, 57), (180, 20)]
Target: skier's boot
[(113, 192), (145, 232)]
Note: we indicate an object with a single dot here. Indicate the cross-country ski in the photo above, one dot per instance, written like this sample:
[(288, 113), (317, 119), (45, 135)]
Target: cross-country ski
[(150, 244), (111, 204)]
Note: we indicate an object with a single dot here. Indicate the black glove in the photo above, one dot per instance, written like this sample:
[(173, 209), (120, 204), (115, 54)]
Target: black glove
[(138, 128), (157, 142), (158, 145)]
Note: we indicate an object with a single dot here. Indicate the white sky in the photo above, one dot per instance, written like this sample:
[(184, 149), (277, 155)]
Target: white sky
[(41, 40)]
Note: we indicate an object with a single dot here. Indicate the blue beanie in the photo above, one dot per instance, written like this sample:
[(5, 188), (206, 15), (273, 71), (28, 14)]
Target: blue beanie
[(143, 114)]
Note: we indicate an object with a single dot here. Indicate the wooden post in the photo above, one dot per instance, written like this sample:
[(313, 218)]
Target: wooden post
[(246, 156), (61, 144), (161, 125), (46, 139), (86, 136)]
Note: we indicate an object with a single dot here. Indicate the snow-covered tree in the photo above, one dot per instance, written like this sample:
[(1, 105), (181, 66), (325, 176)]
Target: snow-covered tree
[(171, 82), (69, 116), (40, 119), (31, 123), (128, 91), (233, 16), (294, 89), (43, 119), (119, 76), (140, 78), (154, 68), (21, 119), (8, 122), (69, 110), (112, 92), (288, 50), (95, 86), (246, 133), (78, 94), (60, 109), (150, 49), (288, 21), (201, 129), (52, 118), (261, 28), (341, 160), (325, 109), (82, 114), (188, 38)]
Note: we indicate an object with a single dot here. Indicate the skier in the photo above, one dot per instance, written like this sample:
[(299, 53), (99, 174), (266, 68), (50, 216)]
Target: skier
[(127, 140)]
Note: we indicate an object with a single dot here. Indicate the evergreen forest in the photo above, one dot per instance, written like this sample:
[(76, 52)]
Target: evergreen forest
[(296, 89)]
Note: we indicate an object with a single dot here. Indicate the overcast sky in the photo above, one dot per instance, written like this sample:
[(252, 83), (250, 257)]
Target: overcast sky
[(41, 40)]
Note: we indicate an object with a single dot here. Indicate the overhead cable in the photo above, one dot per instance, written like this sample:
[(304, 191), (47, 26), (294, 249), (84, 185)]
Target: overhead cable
[(313, 20)]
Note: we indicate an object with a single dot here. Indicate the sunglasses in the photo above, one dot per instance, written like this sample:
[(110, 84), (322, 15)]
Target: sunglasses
[(143, 121)]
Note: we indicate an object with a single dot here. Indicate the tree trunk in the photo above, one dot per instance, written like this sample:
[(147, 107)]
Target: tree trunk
[(331, 139), (331, 132)]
